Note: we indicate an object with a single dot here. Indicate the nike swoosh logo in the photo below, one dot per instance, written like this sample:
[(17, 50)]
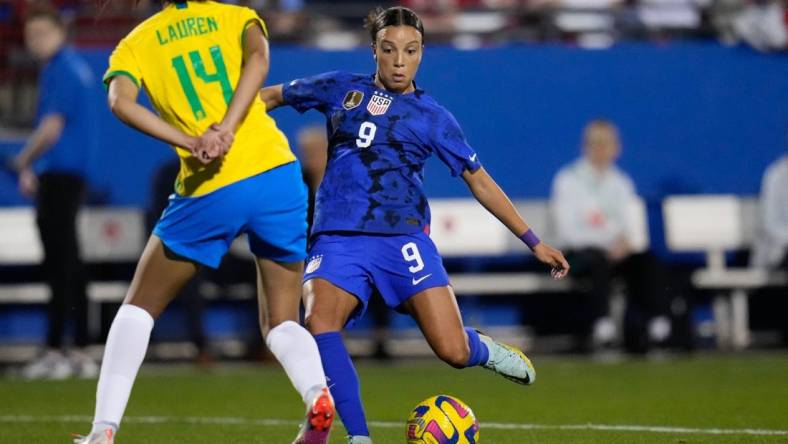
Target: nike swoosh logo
[(417, 281), (473, 158)]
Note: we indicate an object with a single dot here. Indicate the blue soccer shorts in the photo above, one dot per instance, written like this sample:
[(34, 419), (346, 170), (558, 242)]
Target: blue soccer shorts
[(270, 208), (395, 266)]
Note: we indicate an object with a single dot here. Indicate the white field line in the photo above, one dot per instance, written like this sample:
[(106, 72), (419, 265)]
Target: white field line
[(389, 424)]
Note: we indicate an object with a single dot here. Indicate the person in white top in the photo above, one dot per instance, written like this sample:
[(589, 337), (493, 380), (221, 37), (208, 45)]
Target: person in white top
[(771, 248), (770, 251), (590, 201)]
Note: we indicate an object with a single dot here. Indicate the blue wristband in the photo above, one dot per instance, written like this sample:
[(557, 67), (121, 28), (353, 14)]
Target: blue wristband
[(530, 239)]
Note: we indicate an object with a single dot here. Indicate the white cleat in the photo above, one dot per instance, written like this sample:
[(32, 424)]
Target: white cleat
[(509, 362), (105, 436), (83, 365), (51, 365), (359, 440)]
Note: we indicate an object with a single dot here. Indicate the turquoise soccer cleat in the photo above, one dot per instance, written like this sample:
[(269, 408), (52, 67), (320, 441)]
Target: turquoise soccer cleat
[(508, 361)]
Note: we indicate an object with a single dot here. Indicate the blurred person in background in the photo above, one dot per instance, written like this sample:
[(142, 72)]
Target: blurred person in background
[(762, 25), (771, 250), (590, 199), (312, 146), (771, 247), (758, 23), (440, 16), (589, 23), (287, 18), (52, 168), (672, 18)]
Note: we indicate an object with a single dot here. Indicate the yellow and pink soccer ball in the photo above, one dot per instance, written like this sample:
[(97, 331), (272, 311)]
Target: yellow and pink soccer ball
[(442, 419)]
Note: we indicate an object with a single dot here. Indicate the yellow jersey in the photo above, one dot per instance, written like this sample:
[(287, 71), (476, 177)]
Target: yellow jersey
[(188, 58)]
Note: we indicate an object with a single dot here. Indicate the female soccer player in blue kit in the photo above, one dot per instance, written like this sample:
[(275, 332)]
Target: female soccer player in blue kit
[(371, 223)]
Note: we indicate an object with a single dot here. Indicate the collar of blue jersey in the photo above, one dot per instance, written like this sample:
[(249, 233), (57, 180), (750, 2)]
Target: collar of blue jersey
[(416, 90)]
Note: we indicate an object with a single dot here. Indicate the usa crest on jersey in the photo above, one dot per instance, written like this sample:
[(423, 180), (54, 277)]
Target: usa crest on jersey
[(378, 104)]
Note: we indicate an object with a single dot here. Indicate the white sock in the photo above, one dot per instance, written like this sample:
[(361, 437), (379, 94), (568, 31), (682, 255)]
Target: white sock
[(126, 346), (297, 351)]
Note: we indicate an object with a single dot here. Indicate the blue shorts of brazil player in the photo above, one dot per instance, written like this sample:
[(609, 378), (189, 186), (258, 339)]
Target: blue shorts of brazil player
[(270, 208), (397, 266)]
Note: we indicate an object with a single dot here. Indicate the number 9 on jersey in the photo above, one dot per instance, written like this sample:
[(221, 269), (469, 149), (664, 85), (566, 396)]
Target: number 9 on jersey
[(365, 134)]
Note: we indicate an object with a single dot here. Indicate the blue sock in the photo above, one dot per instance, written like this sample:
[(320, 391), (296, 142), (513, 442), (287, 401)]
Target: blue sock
[(479, 352), (343, 382)]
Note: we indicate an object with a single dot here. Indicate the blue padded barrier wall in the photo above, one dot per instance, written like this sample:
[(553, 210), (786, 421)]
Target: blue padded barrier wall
[(694, 117)]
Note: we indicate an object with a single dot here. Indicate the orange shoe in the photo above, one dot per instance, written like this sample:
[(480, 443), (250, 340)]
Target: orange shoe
[(319, 418)]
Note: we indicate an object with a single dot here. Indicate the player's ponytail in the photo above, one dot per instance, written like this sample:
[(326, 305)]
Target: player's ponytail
[(379, 18)]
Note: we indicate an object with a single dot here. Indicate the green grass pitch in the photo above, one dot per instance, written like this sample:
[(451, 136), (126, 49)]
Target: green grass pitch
[(705, 399)]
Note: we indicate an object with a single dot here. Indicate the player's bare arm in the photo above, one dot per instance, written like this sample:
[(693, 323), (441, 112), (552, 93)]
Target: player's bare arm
[(492, 197), (122, 97), (216, 141), (253, 74), (272, 97)]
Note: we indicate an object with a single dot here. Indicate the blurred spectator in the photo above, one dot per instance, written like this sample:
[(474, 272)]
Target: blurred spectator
[(466, 24), (771, 248), (17, 69), (438, 17), (285, 19), (311, 150), (761, 24), (591, 200), (675, 18), (589, 23), (592, 23), (62, 146), (190, 300)]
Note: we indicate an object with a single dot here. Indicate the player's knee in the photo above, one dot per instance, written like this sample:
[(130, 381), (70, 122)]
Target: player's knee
[(154, 306), (318, 323), (266, 325), (456, 355)]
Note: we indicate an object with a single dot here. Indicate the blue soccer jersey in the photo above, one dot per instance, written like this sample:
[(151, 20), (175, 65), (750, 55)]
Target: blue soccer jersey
[(378, 143)]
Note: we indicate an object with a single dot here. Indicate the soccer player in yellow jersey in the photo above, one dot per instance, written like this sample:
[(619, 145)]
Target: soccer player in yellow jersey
[(202, 64)]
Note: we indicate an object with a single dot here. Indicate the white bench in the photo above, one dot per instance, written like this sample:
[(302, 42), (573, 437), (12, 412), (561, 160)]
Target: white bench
[(106, 235), (715, 224), (462, 227)]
